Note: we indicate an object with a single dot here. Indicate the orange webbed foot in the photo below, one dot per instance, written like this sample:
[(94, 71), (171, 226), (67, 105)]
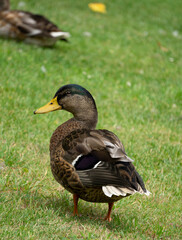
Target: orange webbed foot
[(108, 217)]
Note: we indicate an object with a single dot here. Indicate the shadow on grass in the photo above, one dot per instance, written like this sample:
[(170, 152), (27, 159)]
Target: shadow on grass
[(59, 45), (89, 213)]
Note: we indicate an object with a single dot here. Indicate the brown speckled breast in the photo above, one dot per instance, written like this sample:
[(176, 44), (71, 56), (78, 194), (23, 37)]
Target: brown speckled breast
[(63, 172)]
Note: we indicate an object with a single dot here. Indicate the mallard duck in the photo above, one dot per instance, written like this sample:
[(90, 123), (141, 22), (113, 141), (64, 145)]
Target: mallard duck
[(89, 163), (28, 27)]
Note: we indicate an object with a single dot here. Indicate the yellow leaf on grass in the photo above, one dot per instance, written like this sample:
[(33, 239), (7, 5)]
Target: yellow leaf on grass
[(97, 7)]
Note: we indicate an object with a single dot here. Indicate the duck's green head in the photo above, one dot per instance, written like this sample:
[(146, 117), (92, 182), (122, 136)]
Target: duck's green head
[(72, 98)]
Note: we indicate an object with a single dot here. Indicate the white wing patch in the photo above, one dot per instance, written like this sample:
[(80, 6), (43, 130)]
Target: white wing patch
[(110, 190), (29, 20), (97, 164), (117, 191), (76, 159), (34, 32), (60, 34)]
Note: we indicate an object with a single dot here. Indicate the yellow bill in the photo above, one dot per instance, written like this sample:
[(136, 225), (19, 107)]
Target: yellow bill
[(49, 107)]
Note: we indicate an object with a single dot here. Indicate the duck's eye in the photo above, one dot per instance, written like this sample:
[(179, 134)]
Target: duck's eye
[(68, 92)]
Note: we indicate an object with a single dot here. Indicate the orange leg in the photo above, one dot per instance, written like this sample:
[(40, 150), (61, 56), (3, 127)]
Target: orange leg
[(108, 217), (75, 200)]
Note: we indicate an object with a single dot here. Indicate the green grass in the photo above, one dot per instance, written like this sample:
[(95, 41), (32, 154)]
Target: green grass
[(138, 89)]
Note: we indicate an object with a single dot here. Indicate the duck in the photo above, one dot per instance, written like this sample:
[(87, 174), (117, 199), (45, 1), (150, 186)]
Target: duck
[(28, 27), (90, 163)]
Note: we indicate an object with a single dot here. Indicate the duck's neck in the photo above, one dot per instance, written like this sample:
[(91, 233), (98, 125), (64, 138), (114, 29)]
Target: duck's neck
[(85, 113), (88, 118), (4, 5), (82, 120)]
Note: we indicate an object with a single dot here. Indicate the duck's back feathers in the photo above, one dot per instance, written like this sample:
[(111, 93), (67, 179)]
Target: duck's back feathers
[(100, 160), (31, 28)]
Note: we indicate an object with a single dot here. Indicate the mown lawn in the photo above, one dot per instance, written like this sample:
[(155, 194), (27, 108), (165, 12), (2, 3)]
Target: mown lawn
[(130, 60)]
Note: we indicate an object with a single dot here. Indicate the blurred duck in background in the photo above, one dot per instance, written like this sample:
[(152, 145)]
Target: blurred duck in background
[(28, 27)]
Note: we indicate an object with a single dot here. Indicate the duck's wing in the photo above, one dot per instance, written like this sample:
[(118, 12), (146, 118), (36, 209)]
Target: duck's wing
[(100, 160), (25, 25), (38, 24)]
